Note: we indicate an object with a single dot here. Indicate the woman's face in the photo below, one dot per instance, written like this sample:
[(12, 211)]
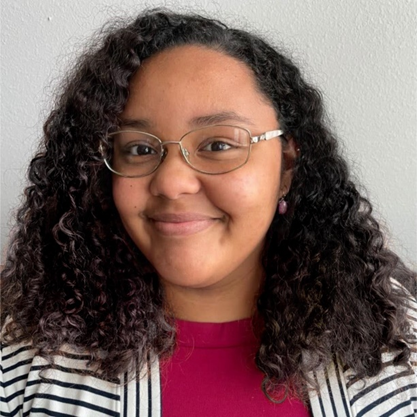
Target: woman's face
[(200, 230)]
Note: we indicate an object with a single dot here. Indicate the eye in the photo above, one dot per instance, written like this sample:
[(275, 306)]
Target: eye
[(140, 149), (217, 145)]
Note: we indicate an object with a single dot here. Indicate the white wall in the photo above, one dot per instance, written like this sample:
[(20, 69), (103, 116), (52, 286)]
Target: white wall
[(361, 53)]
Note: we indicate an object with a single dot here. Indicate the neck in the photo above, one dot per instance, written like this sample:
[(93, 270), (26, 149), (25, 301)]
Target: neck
[(228, 300)]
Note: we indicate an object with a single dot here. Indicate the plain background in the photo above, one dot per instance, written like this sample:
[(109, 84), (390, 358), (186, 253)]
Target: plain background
[(362, 54)]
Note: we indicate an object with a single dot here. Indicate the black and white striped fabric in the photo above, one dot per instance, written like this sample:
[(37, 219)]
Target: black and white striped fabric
[(392, 393), (69, 389)]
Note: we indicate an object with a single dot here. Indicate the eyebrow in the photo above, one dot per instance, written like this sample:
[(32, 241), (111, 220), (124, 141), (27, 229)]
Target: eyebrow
[(199, 121), (136, 123), (221, 117)]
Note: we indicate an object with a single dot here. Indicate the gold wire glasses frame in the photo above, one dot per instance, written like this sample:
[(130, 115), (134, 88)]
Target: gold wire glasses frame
[(213, 150)]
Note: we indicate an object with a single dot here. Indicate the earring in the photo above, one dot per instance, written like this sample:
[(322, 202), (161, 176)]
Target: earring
[(282, 205)]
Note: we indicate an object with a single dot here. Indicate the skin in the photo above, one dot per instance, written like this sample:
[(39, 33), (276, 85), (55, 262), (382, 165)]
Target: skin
[(204, 234)]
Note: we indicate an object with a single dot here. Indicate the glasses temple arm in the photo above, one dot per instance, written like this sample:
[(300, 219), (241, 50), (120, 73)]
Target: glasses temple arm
[(267, 136)]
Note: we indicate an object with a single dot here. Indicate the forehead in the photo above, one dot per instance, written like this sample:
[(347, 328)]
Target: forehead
[(191, 81), (194, 63)]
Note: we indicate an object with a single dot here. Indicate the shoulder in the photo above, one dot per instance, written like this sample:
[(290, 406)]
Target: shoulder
[(393, 392), (29, 384)]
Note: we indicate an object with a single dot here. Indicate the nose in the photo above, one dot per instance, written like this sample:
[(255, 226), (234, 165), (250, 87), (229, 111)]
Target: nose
[(174, 177)]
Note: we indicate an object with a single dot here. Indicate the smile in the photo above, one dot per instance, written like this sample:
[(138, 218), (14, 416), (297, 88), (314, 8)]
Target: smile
[(182, 224)]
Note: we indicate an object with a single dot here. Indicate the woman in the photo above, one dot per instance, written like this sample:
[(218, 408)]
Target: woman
[(191, 243)]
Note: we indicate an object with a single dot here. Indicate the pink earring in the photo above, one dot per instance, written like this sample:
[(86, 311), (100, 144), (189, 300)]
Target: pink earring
[(282, 205)]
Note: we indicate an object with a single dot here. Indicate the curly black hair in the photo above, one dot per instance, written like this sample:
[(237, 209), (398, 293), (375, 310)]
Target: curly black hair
[(73, 276)]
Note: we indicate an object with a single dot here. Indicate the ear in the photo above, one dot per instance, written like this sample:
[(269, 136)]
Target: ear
[(290, 153)]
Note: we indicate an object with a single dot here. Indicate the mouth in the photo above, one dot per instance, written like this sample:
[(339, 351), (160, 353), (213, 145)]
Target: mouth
[(180, 224)]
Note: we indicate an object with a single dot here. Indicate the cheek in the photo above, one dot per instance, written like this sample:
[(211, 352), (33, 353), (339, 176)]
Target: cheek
[(127, 195), (252, 197)]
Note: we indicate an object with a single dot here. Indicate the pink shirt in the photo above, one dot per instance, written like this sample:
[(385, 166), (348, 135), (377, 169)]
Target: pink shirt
[(212, 373)]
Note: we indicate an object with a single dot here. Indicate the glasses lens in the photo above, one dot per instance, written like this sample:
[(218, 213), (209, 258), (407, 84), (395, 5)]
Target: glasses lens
[(134, 154), (217, 149)]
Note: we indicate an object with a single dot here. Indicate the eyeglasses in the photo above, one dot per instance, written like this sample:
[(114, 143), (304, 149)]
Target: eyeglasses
[(211, 150)]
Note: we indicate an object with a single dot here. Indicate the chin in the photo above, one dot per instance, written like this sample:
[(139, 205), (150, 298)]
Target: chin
[(187, 279)]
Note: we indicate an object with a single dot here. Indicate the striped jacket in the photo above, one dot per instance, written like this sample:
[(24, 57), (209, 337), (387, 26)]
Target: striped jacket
[(69, 390)]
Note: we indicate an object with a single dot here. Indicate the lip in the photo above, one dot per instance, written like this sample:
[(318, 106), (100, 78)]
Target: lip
[(180, 224)]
